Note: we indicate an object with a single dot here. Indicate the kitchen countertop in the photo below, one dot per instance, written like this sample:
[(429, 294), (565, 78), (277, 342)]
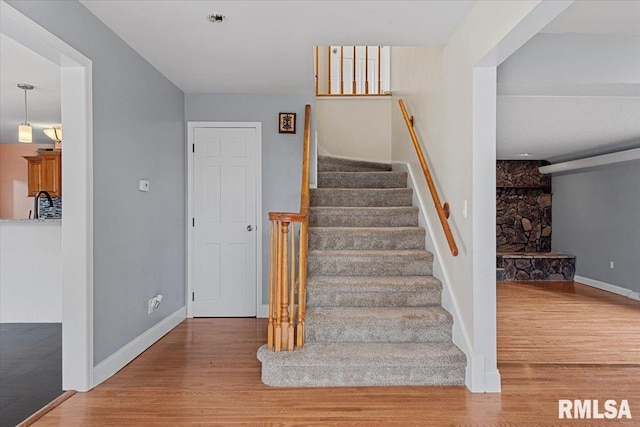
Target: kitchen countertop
[(25, 221)]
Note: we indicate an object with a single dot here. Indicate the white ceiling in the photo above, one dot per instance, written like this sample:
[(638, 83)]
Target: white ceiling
[(573, 91), (200, 57), (266, 46), (598, 17), (21, 65), (556, 128)]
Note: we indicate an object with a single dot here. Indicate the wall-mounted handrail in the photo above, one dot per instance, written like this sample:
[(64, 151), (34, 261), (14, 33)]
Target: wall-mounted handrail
[(443, 210), (288, 278)]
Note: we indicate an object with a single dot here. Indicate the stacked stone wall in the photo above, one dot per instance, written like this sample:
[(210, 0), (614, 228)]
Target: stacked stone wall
[(523, 205)]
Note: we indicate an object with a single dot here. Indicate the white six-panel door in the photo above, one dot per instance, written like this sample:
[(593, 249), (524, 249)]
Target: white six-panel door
[(224, 227)]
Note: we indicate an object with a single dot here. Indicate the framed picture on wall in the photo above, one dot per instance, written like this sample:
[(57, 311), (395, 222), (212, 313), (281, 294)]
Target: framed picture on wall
[(287, 123)]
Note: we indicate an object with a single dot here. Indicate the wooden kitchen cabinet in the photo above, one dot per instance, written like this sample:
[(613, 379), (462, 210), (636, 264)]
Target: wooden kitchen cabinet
[(44, 171)]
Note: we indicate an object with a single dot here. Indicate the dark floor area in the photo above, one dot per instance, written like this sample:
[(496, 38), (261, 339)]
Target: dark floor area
[(30, 369)]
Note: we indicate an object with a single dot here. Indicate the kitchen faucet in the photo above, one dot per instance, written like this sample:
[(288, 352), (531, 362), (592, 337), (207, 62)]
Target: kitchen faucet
[(36, 205)]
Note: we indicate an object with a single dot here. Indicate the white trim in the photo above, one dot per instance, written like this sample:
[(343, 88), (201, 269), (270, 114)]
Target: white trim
[(483, 219), (483, 375), (619, 290), (258, 127), (118, 360), (263, 311), (459, 333), (77, 172), (591, 162)]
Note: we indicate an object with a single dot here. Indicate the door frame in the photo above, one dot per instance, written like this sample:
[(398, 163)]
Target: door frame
[(77, 173), (191, 125)]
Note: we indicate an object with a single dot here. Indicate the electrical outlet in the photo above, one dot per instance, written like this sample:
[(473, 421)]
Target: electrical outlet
[(154, 303), (611, 265)]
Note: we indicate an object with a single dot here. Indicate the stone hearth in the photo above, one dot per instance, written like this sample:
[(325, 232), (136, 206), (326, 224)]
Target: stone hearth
[(535, 266)]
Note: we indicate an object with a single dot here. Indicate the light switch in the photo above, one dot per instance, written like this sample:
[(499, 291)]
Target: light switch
[(144, 185)]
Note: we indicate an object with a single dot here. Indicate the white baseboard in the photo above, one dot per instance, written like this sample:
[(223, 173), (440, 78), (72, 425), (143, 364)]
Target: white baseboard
[(118, 360), (608, 287)]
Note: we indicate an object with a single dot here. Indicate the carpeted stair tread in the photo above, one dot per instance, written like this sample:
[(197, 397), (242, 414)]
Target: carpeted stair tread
[(369, 263), (360, 238), (362, 179), (379, 315), (371, 354), (332, 216), (373, 291), (328, 163), (364, 364), (356, 197), (377, 324), (374, 283)]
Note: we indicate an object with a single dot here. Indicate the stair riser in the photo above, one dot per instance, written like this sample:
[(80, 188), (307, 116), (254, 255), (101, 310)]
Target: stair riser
[(330, 164), (362, 240), (361, 198), (331, 376), (337, 219), (393, 266), (362, 180), (389, 330), (394, 298)]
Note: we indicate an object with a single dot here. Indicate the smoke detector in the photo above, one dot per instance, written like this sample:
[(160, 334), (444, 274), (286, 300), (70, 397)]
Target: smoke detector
[(216, 18)]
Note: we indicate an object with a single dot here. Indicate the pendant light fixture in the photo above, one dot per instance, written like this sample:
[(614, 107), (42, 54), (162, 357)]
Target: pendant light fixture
[(24, 130), (55, 134)]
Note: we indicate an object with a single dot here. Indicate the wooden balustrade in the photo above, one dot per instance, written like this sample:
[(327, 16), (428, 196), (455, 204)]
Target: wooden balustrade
[(442, 209), (288, 264), (351, 82)]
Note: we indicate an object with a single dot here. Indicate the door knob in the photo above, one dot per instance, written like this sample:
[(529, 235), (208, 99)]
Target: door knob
[(249, 227)]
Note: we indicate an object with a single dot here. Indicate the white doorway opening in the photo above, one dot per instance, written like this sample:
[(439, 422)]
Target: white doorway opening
[(77, 174)]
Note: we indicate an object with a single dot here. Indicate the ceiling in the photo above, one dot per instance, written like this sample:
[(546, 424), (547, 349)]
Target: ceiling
[(598, 17), (555, 120), (21, 65), (573, 91), (266, 46)]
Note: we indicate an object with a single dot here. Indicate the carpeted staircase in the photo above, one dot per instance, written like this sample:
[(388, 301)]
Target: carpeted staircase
[(373, 307)]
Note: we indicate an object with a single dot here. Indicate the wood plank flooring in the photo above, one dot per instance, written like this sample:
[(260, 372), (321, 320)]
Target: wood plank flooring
[(556, 341)]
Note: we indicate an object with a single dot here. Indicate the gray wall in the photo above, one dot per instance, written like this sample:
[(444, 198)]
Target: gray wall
[(138, 132), (281, 153), (595, 217)]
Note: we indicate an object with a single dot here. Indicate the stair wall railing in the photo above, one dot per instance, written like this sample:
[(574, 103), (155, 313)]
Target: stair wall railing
[(442, 209), (288, 264), (352, 70)]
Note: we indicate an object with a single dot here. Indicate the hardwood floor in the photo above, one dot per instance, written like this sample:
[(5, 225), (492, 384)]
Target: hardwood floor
[(556, 341)]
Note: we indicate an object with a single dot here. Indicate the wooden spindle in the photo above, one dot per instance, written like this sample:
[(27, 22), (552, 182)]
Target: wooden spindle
[(341, 70), (353, 89), (292, 287), (316, 65), (271, 286), (278, 334), (302, 277), (284, 301), (379, 68), (366, 70), (329, 68)]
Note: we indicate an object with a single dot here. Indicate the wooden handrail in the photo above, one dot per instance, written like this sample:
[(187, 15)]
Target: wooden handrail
[(443, 210), (286, 314)]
